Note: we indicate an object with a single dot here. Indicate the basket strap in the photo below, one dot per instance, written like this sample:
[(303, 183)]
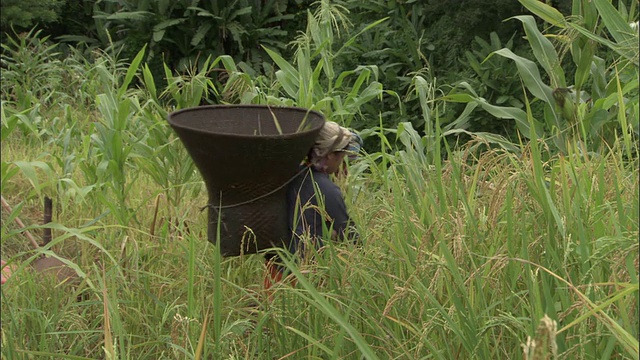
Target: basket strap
[(220, 207)]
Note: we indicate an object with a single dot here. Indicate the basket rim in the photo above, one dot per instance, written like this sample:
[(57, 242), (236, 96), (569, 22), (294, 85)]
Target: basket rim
[(173, 123)]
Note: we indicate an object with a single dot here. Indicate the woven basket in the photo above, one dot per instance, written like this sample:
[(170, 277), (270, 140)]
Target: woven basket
[(246, 162)]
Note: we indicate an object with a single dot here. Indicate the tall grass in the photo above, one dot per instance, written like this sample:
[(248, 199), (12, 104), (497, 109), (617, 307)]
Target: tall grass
[(522, 254)]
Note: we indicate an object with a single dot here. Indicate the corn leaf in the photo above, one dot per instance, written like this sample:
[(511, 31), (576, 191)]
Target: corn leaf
[(287, 75), (543, 50), (131, 71), (545, 12), (627, 52), (530, 76), (499, 112), (615, 23)]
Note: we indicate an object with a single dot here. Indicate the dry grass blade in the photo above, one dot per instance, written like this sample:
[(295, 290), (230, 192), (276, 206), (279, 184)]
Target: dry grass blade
[(203, 335), (275, 121), (108, 341), (303, 124)]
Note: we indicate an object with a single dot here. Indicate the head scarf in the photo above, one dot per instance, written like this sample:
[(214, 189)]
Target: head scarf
[(332, 137), (354, 147)]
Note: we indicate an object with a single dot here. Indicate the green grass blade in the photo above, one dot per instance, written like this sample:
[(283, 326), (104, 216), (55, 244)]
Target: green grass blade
[(323, 305)]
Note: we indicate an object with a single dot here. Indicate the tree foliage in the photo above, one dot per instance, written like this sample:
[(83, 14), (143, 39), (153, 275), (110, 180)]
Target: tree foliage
[(23, 14), (439, 42)]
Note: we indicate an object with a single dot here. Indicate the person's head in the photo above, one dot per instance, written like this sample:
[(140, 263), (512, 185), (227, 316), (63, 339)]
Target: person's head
[(332, 145)]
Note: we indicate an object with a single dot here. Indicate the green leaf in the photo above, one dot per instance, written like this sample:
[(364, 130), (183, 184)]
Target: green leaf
[(282, 63), (158, 35), (473, 63), (616, 24), (77, 39), (311, 340), (459, 98), (149, 82), (244, 11), (9, 123), (288, 84), (503, 112), (530, 75), (362, 78), (462, 119), (598, 74), (545, 12), (372, 91), (499, 112), (203, 12), (8, 171), (227, 62), (131, 71), (589, 14), (130, 15), (531, 78), (200, 34), (29, 170), (287, 75), (351, 40), (583, 71), (543, 50), (49, 354), (163, 6), (627, 52), (319, 301), (168, 23)]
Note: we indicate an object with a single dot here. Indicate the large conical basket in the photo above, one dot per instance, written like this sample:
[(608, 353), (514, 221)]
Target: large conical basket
[(246, 155)]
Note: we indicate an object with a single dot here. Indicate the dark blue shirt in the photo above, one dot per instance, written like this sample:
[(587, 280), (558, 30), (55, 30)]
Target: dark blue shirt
[(316, 207)]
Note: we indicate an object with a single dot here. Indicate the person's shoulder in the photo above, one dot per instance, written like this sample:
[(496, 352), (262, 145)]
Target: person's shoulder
[(320, 177), (326, 185)]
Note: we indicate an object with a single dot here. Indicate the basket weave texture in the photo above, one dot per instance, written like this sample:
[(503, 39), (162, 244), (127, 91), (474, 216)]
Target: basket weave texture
[(245, 162)]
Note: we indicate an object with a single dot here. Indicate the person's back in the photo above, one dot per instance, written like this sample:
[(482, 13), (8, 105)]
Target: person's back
[(316, 210)]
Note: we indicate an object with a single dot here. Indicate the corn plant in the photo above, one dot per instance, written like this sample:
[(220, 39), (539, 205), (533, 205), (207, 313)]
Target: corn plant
[(159, 152), (598, 112), (310, 81), (187, 90), (116, 134), (31, 72), (572, 112)]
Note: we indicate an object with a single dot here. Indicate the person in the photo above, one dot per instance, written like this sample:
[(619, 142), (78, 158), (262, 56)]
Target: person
[(316, 205), (317, 210)]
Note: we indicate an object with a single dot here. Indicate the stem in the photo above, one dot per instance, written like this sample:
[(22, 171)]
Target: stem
[(48, 216)]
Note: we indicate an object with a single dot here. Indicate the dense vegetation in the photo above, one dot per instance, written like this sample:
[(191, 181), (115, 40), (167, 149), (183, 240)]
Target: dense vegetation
[(520, 242), (427, 36)]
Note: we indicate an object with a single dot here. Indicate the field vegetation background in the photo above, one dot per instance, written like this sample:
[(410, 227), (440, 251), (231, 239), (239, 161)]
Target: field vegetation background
[(497, 196)]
